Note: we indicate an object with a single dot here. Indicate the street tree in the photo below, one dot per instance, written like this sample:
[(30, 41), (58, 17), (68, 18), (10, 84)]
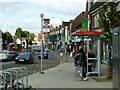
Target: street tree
[(18, 32), (8, 37), (25, 33), (110, 18), (30, 38)]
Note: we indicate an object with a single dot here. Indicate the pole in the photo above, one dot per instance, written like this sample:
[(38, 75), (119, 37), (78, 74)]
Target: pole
[(57, 36), (61, 30), (47, 39), (41, 43)]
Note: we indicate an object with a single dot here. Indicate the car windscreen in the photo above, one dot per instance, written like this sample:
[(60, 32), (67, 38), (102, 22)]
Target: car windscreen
[(5, 52), (11, 52), (24, 54)]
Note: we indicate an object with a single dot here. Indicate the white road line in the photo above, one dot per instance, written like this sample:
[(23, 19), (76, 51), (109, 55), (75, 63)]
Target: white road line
[(4, 63)]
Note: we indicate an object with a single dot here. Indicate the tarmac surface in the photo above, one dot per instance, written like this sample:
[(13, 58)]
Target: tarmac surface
[(63, 76)]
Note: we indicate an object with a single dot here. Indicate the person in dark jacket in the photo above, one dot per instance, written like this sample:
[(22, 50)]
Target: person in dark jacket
[(83, 64)]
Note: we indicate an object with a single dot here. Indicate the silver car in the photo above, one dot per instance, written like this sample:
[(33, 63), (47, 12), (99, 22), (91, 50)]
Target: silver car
[(5, 55)]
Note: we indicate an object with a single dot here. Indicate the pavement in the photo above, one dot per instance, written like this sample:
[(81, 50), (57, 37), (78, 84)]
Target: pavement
[(63, 76)]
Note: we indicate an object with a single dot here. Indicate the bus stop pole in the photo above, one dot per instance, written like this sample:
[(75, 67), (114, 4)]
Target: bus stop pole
[(41, 72)]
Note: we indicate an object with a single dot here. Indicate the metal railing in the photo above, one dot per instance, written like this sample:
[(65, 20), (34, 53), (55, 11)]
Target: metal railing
[(11, 83)]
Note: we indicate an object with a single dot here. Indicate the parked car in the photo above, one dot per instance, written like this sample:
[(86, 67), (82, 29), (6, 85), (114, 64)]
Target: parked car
[(24, 57), (5, 56), (45, 55), (36, 48)]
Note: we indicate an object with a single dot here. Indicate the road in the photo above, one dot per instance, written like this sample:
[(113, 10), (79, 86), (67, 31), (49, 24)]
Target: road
[(52, 61)]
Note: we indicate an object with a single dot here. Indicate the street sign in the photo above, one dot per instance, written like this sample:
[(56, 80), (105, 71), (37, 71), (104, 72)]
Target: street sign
[(46, 25), (5, 42), (41, 15)]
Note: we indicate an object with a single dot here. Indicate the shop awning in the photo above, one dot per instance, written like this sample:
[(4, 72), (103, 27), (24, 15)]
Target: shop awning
[(86, 33)]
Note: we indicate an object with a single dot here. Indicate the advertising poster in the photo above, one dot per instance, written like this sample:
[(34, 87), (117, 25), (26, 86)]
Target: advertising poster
[(63, 38), (84, 25)]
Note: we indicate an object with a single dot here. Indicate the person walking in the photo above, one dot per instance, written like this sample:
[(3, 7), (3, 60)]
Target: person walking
[(61, 54), (83, 64)]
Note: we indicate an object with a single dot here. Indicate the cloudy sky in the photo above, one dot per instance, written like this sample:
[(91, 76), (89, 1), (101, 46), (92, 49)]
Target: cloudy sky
[(26, 14)]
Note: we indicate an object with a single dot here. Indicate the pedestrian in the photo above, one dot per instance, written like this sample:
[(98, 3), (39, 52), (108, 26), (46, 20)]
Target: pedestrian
[(76, 59), (83, 64), (61, 54)]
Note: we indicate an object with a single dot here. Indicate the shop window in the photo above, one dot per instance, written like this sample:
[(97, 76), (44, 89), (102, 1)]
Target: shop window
[(96, 20), (118, 7)]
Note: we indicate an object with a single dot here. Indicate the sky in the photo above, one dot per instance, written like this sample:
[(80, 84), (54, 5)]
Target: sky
[(26, 13)]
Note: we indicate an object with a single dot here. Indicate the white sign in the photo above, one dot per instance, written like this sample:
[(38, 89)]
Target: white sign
[(46, 25)]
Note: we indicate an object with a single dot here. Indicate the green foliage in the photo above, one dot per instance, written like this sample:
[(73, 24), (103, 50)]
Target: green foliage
[(30, 37), (110, 19), (7, 36), (25, 33), (18, 32)]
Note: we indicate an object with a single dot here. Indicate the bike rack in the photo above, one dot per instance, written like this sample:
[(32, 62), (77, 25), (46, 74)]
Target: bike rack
[(16, 75), (10, 72), (3, 80), (5, 72), (27, 86), (21, 74)]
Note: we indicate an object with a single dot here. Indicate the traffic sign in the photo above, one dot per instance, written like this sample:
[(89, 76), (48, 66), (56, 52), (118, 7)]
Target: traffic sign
[(41, 15)]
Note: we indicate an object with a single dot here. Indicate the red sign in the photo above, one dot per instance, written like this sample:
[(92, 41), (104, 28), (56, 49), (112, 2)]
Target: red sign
[(89, 33), (41, 15), (46, 23)]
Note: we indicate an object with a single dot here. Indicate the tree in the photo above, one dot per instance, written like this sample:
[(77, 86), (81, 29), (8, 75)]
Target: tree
[(110, 18), (30, 38), (25, 33), (7, 36), (18, 32)]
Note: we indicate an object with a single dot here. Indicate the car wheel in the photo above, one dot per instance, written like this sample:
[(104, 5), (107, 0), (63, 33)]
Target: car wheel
[(47, 57), (16, 62), (31, 61), (39, 57)]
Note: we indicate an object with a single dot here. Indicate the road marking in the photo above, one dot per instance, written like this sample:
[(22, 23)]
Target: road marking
[(59, 59), (34, 71), (6, 63)]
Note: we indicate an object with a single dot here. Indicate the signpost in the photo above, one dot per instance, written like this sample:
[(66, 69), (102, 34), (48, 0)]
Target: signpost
[(41, 15), (46, 28)]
